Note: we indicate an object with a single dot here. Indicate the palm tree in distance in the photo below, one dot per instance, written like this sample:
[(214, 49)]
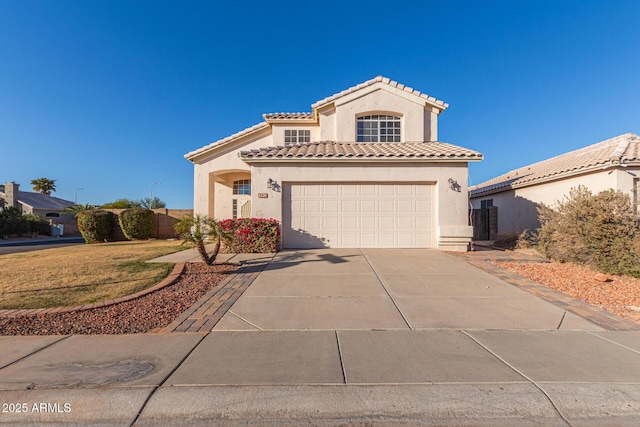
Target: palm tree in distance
[(44, 185), (154, 203)]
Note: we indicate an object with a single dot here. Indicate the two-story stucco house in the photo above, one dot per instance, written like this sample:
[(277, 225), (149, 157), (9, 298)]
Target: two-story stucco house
[(362, 169)]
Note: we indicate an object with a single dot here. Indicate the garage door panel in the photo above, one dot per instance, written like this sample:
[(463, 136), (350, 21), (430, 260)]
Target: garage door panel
[(367, 206), (368, 222), (349, 206), (349, 223), (331, 206), (386, 206), (358, 215), (331, 223), (405, 206)]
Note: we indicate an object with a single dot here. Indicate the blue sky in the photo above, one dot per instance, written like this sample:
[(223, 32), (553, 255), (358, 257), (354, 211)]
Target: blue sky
[(108, 96)]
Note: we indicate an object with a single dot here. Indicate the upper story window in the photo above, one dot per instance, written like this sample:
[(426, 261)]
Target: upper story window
[(242, 186), (293, 136), (378, 128)]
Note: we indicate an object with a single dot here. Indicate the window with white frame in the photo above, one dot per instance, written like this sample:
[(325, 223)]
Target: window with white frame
[(294, 136), (242, 186), (378, 128)]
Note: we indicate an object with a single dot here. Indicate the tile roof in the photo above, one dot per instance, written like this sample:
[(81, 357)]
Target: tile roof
[(229, 138), (385, 80), (42, 201), (436, 151), (622, 149), (288, 116)]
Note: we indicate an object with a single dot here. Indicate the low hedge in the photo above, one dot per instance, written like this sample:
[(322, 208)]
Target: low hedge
[(251, 235), (14, 222), (137, 223), (96, 226)]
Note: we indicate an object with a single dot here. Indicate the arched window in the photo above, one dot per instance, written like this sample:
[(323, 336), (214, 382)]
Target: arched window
[(242, 186), (378, 128)]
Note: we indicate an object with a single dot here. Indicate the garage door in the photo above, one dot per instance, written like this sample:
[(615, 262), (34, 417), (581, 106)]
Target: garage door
[(371, 215)]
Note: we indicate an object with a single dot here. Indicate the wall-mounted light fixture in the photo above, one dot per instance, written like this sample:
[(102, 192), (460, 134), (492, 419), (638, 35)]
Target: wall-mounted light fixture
[(453, 185), (270, 184)]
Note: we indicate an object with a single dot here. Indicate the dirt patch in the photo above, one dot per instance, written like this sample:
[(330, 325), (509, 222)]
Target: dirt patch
[(619, 295), (155, 310)]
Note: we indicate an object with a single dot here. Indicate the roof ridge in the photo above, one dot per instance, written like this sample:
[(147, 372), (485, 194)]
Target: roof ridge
[(380, 79)]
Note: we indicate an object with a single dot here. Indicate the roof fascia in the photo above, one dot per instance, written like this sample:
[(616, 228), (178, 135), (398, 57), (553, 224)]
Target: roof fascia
[(559, 177), (357, 160), (312, 120), (253, 131)]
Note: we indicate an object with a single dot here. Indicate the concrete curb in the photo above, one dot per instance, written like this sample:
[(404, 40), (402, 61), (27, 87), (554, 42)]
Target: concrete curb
[(169, 280)]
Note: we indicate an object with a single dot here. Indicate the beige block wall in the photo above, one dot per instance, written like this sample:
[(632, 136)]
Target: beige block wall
[(517, 209)]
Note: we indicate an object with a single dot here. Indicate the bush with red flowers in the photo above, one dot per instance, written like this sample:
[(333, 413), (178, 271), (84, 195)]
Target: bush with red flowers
[(251, 235)]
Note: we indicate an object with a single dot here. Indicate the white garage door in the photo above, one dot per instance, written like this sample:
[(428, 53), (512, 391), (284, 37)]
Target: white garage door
[(358, 216)]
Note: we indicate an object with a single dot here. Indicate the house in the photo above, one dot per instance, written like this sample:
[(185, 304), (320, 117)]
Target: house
[(362, 169), (611, 164), (30, 202)]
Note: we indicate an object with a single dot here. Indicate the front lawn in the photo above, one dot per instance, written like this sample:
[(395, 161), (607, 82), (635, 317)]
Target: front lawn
[(81, 274)]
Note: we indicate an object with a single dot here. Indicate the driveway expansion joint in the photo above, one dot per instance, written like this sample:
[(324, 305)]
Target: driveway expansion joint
[(377, 274), (522, 374)]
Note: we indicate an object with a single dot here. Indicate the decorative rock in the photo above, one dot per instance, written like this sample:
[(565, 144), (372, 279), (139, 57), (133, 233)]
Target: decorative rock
[(601, 277)]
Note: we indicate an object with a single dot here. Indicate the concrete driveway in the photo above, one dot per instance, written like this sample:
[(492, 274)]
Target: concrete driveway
[(390, 289)]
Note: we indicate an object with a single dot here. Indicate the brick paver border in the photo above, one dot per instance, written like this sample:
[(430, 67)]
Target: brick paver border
[(205, 313), (172, 277)]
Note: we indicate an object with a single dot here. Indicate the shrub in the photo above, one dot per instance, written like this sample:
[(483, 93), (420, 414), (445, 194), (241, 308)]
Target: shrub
[(12, 222), (598, 230), (195, 229), (137, 223), (513, 240), (251, 235), (37, 225), (96, 225)]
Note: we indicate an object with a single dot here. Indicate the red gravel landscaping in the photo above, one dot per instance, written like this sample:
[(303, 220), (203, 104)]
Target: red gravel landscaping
[(150, 312), (619, 295)]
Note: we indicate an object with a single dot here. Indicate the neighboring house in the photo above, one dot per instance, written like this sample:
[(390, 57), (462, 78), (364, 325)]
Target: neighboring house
[(32, 203), (611, 164), (362, 169)]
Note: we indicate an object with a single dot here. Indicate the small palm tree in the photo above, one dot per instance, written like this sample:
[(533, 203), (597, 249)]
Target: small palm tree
[(154, 203), (44, 185), (78, 209), (195, 229)]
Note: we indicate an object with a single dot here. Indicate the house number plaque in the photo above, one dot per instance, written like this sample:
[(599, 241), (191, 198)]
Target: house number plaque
[(263, 195)]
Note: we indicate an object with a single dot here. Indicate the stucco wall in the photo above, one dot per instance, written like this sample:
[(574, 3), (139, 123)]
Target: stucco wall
[(517, 209), (451, 205), (278, 131), (222, 161), (380, 102)]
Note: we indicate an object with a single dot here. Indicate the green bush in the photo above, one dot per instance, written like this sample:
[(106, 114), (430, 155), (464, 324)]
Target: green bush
[(251, 235), (597, 230), (96, 225), (12, 222), (37, 225), (137, 223)]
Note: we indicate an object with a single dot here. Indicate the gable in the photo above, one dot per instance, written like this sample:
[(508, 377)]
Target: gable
[(334, 118)]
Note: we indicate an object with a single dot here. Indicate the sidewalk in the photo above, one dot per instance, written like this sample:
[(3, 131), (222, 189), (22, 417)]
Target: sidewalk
[(585, 373)]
